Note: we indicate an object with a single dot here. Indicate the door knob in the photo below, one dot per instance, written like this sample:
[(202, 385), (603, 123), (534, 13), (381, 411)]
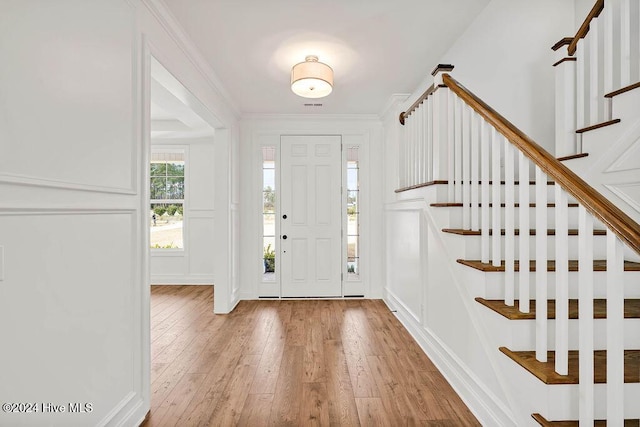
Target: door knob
[(284, 237), (284, 216)]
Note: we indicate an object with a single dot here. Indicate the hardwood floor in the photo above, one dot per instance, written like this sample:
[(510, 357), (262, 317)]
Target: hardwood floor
[(295, 363)]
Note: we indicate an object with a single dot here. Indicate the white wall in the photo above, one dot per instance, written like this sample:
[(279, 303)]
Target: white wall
[(364, 130), (582, 8), (193, 264), (505, 58), (74, 296)]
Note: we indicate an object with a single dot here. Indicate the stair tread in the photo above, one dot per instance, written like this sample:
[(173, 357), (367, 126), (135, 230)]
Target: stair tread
[(445, 182), (502, 205), (598, 126), (573, 156), (544, 371), (623, 90), (631, 309), (567, 423), (532, 232), (598, 265)]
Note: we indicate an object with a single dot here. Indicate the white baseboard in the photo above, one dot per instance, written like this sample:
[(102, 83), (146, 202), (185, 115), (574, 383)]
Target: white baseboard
[(489, 410)]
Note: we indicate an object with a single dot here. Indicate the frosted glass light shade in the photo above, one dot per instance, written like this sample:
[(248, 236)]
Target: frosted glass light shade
[(311, 79)]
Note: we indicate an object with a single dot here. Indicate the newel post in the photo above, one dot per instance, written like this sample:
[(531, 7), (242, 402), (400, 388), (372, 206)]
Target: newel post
[(565, 72), (440, 123)]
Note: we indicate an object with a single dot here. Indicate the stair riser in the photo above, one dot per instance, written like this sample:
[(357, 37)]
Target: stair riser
[(592, 143), (519, 335), (625, 106), (455, 218), (491, 285), (532, 193), (560, 402), (472, 246)]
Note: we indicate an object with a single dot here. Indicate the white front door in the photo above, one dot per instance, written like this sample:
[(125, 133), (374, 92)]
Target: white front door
[(311, 216)]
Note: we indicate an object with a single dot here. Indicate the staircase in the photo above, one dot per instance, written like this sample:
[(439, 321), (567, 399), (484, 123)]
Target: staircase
[(551, 265), (536, 385)]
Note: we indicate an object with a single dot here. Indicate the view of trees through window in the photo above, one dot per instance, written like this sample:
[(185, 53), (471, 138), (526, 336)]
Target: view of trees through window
[(166, 212)]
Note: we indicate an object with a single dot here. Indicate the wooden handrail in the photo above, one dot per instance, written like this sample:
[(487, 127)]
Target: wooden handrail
[(411, 109), (609, 214), (584, 28)]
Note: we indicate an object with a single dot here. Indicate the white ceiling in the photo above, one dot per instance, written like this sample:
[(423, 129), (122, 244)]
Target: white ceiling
[(376, 47)]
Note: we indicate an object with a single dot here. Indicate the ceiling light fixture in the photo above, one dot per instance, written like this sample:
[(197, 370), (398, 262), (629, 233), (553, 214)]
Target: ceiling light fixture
[(311, 79)]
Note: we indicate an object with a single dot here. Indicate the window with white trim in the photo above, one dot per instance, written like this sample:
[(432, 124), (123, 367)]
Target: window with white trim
[(167, 189)]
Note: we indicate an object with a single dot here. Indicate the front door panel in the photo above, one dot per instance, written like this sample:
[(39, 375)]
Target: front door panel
[(311, 216)]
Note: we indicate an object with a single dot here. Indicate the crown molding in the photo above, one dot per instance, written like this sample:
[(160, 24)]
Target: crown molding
[(313, 117)]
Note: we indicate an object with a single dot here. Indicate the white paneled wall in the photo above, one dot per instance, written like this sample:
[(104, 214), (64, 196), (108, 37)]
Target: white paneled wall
[(74, 296), (194, 264), (72, 311)]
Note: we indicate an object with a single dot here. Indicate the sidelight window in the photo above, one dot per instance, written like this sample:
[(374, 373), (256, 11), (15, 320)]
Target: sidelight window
[(353, 213), (269, 212)]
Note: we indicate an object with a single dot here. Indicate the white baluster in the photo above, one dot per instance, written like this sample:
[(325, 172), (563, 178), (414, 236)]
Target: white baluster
[(420, 144), (466, 167), (565, 101), (485, 150), (475, 171), (541, 265), (418, 148), (523, 221), (630, 10), (611, 17), (635, 41), (407, 151), (585, 316), (588, 90), (413, 158), (562, 281), (509, 221), (402, 147), (428, 120), (596, 100), (451, 172), (581, 118), (458, 149), (615, 330), (414, 145), (625, 42), (440, 135), (594, 62), (496, 140)]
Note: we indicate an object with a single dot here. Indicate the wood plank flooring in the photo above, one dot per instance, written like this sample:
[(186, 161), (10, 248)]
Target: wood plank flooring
[(290, 363)]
